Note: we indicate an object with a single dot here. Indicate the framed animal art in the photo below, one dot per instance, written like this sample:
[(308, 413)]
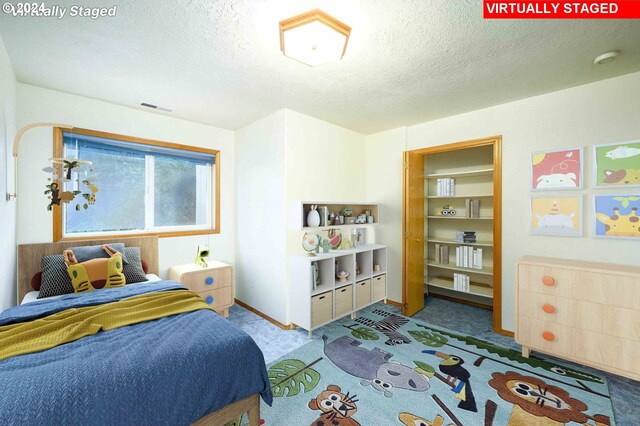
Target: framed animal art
[(559, 216), (557, 170), (617, 165), (616, 216)]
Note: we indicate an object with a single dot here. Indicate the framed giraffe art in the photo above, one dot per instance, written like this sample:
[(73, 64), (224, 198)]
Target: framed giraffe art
[(616, 216)]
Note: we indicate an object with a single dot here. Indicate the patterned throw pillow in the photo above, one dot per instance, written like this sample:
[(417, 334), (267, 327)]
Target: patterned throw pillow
[(95, 273), (84, 253), (55, 280), (133, 271)]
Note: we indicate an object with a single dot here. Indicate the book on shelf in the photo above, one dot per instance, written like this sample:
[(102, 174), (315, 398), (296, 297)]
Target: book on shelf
[(465, 236), (461, 282), (442, 254), (445, 187), (472, 207), (468, 257)]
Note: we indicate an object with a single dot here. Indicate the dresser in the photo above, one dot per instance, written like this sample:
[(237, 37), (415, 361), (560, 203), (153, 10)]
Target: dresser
[(584, 312), (317, 297), (214, 283)]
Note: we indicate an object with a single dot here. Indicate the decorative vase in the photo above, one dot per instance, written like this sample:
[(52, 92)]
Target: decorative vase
[(313, 217)]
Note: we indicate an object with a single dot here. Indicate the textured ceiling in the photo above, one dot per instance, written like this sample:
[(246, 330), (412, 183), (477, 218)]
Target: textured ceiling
[(218, 62)]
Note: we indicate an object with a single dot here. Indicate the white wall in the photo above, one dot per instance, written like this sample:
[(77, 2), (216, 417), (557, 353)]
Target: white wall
[(285, 157), (384, 185), (324, 162), (7, 208), (37, 104), (604, 112), (260, 220)]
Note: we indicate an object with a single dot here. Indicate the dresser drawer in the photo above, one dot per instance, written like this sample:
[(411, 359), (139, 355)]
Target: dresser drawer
[(379, 284), (615, 290), (321, 308), (531, 332), (207, 279), (218, 298), (606, 351), (363, 293), (580, 345), (596, 317), (344, 300), (546, 280)]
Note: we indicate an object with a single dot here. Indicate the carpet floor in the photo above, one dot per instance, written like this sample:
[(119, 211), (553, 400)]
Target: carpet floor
[(275, 343)]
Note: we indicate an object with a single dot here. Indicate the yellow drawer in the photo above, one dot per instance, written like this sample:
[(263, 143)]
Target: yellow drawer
[(379, 285), (207, 279), (363, 293), (321, 308), (218, 298), (344, 300), (589, 316)]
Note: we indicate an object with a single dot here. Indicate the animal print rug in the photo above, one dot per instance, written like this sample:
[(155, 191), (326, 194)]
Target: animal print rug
[(385, 369)]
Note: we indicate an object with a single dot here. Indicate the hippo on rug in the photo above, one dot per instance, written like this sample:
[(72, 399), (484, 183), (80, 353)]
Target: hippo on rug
[(373, 366)]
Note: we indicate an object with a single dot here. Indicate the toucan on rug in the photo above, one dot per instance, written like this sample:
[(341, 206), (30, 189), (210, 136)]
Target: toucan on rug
[(385, 369)]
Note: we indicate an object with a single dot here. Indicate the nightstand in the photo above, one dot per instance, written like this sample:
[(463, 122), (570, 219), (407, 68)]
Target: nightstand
[(213, 283)]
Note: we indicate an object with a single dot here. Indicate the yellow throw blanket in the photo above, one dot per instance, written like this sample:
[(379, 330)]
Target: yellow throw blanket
[(75, 323)]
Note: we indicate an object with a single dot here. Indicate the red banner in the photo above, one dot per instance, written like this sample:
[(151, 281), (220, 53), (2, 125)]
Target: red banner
[(517, 9)]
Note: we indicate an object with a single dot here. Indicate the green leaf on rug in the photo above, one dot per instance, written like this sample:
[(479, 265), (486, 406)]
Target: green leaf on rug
[(425, 369), (513, 355), (289, 376), (427, 338), (364, 334)]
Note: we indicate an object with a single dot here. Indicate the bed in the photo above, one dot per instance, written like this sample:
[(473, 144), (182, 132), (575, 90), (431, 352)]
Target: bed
[(192, 367)]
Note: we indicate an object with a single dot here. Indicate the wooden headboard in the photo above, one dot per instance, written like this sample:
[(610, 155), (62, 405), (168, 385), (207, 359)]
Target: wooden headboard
[(29, 256)]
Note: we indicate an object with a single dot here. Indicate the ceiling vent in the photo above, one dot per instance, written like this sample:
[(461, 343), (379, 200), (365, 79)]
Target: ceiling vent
[(152, 106)]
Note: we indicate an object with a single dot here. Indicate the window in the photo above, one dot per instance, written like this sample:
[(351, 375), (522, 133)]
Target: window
[(144, 187)]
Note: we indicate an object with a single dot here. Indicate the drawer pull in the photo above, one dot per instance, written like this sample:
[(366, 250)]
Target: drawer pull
[(209, 300), (549, 336), (548, 281), (343, 290), (321, 297), (548, 308), (209, 281)]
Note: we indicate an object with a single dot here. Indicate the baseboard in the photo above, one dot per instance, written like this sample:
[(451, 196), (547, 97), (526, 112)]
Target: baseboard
[(263, 315), (506, 332), (394, 303), (466, 302)]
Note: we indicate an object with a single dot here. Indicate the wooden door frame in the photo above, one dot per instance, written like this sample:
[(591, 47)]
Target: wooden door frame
[(496, 143)]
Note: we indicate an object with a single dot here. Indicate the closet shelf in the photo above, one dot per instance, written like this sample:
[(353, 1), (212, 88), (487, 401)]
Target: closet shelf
[(469, 173), (474, 288), (461, 196), (484, 271), (459, 218), (457, 243)]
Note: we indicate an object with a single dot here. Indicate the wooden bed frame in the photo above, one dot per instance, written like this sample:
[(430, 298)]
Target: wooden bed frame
[(29, 257)]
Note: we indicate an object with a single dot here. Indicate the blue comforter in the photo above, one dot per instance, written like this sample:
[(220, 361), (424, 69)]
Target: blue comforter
[(169, 371)]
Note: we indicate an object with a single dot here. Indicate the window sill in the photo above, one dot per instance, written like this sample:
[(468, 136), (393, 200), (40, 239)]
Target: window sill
[(168, 234)]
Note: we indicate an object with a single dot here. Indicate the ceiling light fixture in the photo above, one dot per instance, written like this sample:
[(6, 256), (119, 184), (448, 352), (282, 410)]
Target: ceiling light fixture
[(314, 38), (606, 57)]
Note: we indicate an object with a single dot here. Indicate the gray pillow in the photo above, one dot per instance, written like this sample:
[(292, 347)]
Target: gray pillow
[(55, 279), (133, 271), (85, 253)]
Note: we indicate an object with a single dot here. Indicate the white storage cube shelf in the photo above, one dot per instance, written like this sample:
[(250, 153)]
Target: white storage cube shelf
[(309, 306)]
